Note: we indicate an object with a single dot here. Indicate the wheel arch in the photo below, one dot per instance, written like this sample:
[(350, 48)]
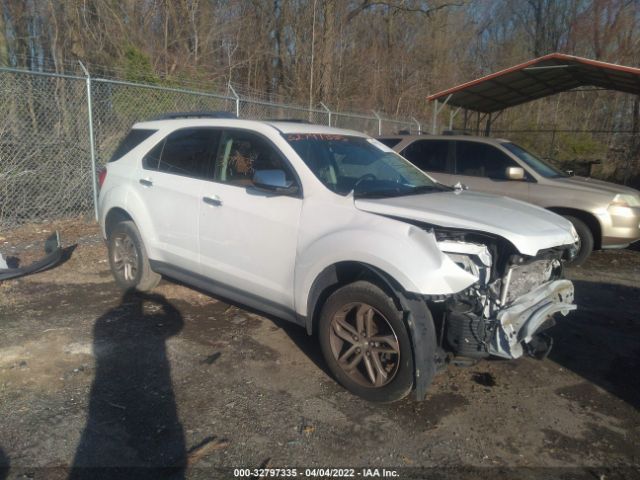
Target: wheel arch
[(588, 218), (416, 313), (342, 273), (113, 217)]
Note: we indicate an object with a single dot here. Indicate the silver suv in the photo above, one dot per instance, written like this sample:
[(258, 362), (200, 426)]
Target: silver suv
[(333, 231), (605, 215)]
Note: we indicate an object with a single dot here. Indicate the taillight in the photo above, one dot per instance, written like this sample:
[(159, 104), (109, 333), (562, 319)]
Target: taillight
[(102, 174)]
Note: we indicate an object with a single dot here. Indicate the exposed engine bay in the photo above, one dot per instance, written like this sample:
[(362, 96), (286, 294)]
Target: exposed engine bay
[(513, 301)]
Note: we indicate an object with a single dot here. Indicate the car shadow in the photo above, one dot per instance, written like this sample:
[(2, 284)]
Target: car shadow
[(308, 344), (601, 340), (132, 429)]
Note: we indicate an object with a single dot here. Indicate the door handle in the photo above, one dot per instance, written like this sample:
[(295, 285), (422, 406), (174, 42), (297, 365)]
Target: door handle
[(212, 200), (147, 182)]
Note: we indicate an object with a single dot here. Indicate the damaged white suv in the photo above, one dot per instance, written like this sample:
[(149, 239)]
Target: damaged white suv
[(328, 228)]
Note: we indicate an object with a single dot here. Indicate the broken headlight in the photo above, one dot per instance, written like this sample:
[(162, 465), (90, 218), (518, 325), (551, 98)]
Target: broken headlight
[(471, 257)]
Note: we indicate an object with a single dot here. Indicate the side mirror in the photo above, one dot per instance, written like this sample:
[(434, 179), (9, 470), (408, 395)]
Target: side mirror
[(515, 173), (273, 181), (459, 187)]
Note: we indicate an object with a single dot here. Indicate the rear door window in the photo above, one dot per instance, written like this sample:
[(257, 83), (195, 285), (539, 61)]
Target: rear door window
[(134, 138), (430, 155), (187, 152), (482, 160)]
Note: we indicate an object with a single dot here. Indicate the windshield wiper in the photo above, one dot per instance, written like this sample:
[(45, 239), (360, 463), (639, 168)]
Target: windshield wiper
[(379, 194), (425, 189), (399, 193)]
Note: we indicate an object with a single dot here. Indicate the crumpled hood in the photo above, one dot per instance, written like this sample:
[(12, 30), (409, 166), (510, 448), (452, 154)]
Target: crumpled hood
[(528, 227), (592, 185)]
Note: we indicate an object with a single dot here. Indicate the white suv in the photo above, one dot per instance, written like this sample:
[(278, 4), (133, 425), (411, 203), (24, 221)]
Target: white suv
[(332, 230)]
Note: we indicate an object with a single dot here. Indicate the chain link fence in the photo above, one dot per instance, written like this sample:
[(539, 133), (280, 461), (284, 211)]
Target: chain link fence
[(48, 162), (45, 162), (118, 105)]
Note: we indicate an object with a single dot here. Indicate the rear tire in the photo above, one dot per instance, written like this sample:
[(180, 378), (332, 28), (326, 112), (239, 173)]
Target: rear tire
[(365, 343), (586, 241), (128, 258)]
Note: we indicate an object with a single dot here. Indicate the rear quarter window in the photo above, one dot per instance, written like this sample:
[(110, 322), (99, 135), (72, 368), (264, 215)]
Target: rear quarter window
[(134, 138), (389, 142)]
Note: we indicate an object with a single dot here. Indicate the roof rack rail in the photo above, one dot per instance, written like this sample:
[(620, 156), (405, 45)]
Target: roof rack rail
[(202, 114), (455, 132)]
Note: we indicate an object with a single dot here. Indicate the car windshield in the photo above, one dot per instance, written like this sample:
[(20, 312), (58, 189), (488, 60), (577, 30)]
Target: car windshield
[(540, 166), (362, 165)]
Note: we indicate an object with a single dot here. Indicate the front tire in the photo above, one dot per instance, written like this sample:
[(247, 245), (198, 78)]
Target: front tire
[(586, 241), (365, 343), (128, 258)]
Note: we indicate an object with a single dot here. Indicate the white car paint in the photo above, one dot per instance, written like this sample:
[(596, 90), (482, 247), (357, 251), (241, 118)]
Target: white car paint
[(274, 247), (250, 241), (529, 228)]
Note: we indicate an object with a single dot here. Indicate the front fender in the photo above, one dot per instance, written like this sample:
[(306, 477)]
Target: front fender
[(407, 254)]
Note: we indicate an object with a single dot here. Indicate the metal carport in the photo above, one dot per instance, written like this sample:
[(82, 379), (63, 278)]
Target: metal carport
[(537, 78)]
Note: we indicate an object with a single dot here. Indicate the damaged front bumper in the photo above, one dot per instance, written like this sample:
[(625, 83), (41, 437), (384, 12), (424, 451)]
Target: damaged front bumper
[(513, 300), (518, 324), (53, 255)]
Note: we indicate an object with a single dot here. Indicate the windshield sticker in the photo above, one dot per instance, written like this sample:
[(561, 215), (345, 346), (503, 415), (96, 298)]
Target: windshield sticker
[(379, 145), (296, 137)]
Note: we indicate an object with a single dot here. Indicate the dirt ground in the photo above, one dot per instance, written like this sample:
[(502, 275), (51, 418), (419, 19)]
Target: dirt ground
[(89, 378)]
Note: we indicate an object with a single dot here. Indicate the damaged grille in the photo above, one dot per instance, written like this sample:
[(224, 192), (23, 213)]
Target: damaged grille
[(522, 279)]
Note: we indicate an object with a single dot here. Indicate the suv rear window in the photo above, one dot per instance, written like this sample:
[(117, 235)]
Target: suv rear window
[(134, 138)]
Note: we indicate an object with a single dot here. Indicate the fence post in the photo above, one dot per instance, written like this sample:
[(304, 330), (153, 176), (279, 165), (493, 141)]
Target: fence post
[(417, 123), (237, 100), (92, 145), (328, 112), (379, 122)]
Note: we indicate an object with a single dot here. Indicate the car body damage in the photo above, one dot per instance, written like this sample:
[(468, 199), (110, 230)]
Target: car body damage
[(392, 271), (53, 255), (509, 257), (513, 300), (526, 316), (528, 227)]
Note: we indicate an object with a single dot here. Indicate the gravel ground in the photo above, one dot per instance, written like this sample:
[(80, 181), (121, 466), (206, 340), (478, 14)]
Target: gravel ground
[(91, 378)]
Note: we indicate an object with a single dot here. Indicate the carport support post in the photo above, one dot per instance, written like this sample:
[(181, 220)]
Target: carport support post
[(92, 143), (434, 121), (487, 127), (379, 118), (237, 98), (453, 115), (436, 111), (418, 124), (328, 110)]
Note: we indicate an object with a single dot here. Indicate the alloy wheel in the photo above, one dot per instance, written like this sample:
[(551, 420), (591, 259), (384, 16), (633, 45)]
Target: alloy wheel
[(125, 257), (364, 345)]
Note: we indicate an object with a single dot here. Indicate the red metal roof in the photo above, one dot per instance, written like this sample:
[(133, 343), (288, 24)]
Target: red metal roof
[(537, 78)]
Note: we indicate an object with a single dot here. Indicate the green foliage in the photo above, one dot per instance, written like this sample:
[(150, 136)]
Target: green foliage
[(137, 66), (578, 146)]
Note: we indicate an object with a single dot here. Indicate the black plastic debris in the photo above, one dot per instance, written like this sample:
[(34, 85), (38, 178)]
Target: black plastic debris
[(53, 255)]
